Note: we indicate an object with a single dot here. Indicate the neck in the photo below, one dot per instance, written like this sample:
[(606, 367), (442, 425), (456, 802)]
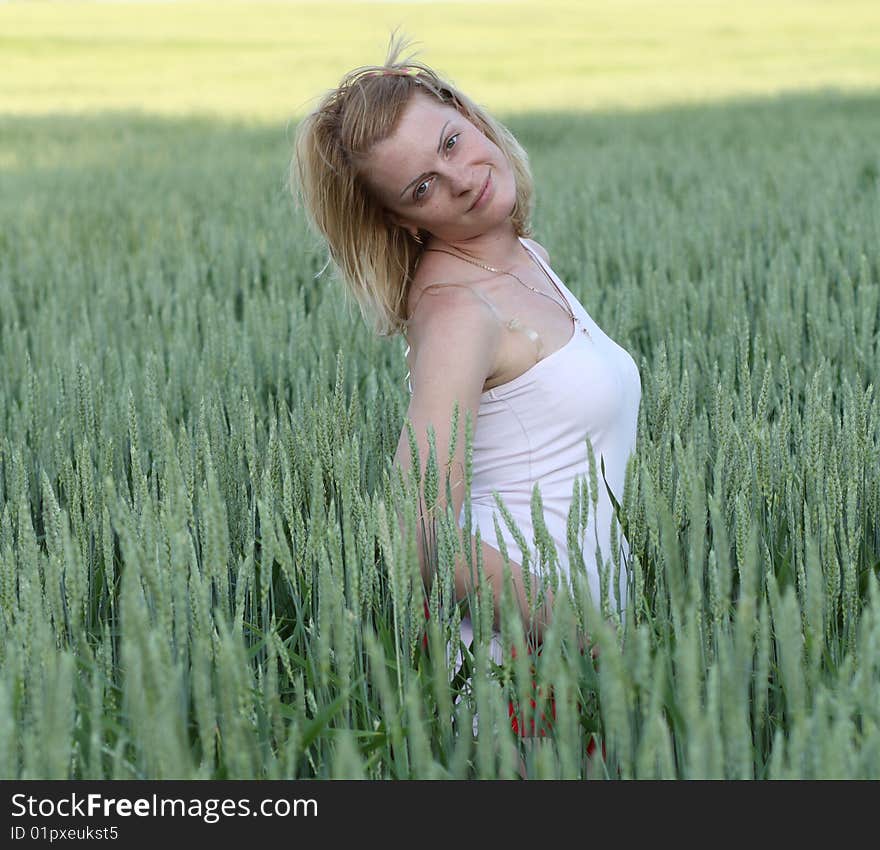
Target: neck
[(494, 248)]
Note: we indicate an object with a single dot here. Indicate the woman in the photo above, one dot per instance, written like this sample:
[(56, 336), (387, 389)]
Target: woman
[(424, 201)]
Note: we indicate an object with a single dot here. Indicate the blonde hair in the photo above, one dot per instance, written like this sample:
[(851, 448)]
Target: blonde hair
[(375, 258)]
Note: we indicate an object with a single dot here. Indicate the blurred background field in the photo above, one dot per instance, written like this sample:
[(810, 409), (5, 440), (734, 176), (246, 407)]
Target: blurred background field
[(266, 61), (198, 576)]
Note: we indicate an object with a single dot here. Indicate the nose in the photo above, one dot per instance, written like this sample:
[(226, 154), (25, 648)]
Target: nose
[(462, 181)]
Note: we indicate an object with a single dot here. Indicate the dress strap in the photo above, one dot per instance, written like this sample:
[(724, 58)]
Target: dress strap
[(462, 286)]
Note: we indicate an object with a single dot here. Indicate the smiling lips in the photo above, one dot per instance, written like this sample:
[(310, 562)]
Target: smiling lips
[(483, 192)]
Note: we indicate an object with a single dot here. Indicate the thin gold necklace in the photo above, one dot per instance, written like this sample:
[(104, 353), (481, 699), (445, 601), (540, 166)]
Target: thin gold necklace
[(565, 308)]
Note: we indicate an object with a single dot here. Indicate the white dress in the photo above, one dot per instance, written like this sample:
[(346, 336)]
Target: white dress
[(533, 430)]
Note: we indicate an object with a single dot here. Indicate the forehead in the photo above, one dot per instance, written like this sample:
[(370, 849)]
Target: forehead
[(415, 136), (422, 113)]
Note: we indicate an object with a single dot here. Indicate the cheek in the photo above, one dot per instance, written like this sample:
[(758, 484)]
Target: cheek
[(498, 155), (510, 175), (491, 151)]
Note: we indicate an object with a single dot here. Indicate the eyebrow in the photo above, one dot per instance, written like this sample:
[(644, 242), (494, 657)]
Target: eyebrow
[(439, 146)]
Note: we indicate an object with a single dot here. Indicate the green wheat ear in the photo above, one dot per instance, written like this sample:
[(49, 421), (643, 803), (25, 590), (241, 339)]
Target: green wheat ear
[(432, 472), (549, 558), (415, 460)]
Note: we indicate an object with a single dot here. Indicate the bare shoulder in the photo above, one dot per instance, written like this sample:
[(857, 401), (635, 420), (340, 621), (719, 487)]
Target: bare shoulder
[(437, 271), (539, 248), (452, 314), (441, 292), (453, 335)]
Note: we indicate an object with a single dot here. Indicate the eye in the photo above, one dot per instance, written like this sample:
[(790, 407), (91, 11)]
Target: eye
[(422, 189)]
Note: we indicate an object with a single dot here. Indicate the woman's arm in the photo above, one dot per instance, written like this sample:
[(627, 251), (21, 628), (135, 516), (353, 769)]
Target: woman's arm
[(457, 340)]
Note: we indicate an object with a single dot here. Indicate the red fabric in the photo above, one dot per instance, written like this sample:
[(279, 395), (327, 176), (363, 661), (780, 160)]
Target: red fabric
[(517, 723)]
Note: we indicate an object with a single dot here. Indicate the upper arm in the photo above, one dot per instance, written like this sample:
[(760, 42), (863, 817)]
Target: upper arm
[(457, 339)]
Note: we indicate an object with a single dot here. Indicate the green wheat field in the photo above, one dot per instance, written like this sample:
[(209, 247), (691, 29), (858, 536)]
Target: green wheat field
[(201, 570)]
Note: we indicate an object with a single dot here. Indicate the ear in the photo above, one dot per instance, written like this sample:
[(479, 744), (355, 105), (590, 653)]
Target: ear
[(397, 221)]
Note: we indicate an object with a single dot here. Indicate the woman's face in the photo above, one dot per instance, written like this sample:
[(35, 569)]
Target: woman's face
[(429, 174)]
